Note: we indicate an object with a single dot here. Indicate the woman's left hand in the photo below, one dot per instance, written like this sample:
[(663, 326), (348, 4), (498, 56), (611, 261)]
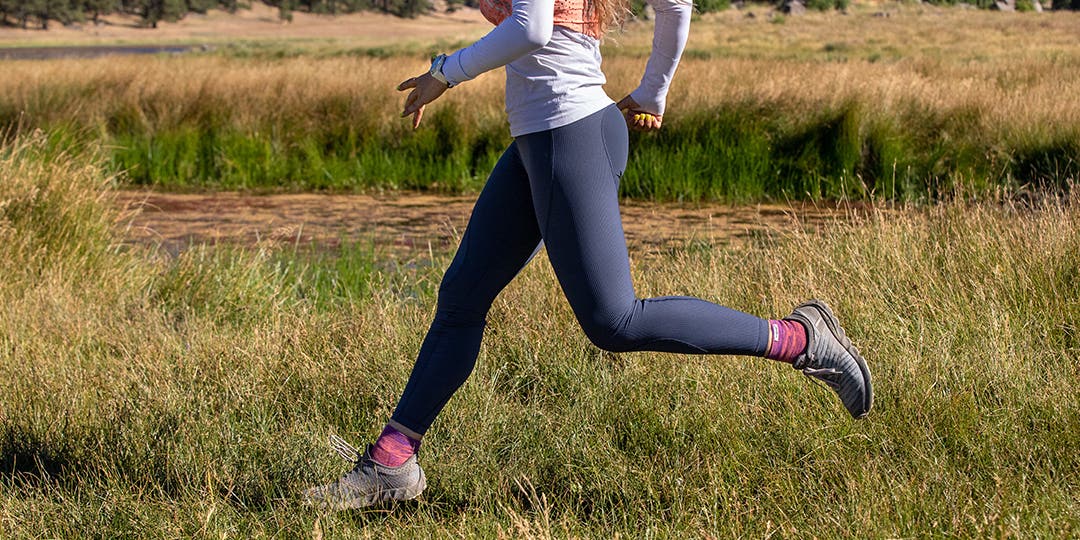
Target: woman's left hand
[(425, 90), (637, 118)]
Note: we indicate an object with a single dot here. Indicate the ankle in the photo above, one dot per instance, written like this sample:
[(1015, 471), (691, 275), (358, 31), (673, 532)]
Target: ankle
[(787, 340), (393, 448)]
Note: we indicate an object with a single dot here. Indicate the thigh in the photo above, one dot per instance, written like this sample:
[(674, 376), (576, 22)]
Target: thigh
[(500, 239), (574, 173)]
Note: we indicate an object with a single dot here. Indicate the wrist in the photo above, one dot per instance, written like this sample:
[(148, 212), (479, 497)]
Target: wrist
[(436, 70), (649, 101)]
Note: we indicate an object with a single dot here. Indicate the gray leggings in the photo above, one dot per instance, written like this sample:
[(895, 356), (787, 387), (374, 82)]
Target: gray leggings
[(560, 186)]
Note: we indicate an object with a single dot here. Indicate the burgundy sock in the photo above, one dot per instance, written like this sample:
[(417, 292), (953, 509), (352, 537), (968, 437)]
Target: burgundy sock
[(787, 340), (393, 447)]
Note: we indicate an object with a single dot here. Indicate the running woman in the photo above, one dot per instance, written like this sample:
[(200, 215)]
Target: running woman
[(557, 183)]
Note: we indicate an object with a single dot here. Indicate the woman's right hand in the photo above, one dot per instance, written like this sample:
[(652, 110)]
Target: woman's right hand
[(425, 90), (637, 118)]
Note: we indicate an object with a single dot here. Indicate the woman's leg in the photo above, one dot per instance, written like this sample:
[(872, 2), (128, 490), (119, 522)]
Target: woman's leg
[(501, 237), (574, 173)]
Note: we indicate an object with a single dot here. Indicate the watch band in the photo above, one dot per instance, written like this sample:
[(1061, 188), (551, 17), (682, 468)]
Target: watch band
[(436, 70)]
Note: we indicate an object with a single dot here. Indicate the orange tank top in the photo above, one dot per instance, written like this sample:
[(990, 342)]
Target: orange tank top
[(572, 14)]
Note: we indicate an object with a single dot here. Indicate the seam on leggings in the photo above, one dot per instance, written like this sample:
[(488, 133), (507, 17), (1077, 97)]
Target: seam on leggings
[(666, 299), (471, 289), (670, 340), (550, 183), (466, 246), (607, 152)]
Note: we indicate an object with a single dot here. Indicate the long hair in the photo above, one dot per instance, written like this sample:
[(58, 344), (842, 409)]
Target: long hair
[(608, 13)]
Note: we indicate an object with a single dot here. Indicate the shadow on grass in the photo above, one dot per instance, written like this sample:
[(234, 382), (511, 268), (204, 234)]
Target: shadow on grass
[(26, 458)]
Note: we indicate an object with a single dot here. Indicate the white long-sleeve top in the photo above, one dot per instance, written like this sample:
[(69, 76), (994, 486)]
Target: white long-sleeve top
[(553, 75)]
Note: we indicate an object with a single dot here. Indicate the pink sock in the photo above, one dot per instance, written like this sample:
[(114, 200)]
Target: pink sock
[(393, 447), (787, 340)]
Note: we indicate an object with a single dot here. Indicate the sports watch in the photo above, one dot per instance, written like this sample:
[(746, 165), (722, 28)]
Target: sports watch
[(436, 70)]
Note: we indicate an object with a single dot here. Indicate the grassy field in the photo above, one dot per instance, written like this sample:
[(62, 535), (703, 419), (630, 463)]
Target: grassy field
[(191, 396), (909, 106), (149, 393)]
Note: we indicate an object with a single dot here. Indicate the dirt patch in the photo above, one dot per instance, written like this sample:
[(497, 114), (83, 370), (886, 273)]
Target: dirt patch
[(417, 223)]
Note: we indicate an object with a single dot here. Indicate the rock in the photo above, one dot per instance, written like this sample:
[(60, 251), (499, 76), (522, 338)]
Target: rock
[(882, 14), (750, 15), (1037, 5), (1005, 5), (793, 7)]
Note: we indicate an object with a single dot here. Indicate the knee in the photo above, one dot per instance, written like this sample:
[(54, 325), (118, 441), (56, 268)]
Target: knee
[(457, 307), (608, 335), (454, 313)]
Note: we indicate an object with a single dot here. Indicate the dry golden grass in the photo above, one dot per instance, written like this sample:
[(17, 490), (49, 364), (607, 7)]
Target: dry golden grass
[(935, 94), (1012, 84), (1016, 67)]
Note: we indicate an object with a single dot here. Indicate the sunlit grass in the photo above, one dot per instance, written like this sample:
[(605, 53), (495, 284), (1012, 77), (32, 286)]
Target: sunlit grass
[(824, 106), (191, 395)]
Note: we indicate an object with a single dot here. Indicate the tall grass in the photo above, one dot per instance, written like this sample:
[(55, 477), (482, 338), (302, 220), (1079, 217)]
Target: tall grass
[(830, 107), (148, 395)]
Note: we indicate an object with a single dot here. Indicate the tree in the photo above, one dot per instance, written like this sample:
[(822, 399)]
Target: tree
[(201, 6), (52, 10), (155, 11), (97, 8), (285, 9)]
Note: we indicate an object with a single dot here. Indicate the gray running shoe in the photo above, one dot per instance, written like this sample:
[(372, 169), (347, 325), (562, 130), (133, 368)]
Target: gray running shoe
[(368, 483), (831, 358)]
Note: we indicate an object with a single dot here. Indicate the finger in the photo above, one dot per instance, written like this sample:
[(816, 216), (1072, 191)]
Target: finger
[(416, 117), (646, 121), (411, 103), (407, 83), (413, 107)]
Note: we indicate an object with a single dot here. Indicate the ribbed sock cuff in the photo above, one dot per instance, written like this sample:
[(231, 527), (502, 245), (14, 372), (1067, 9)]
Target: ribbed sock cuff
[(787, 340), (393, 448)]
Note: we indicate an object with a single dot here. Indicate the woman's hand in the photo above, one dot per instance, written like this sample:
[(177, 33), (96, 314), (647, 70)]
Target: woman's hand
[(637, 118), (425, 90)]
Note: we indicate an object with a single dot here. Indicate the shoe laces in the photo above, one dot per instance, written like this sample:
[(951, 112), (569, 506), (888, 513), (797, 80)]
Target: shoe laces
[(823, 375), (347, 451)]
